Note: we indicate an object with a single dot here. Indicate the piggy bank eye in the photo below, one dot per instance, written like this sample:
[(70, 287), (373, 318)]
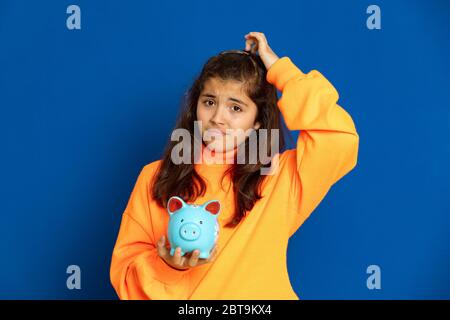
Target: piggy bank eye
[(182, 220), (201, 222)]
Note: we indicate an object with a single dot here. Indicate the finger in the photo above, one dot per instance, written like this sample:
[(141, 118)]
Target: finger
[(248, 44), (212, 255), (194, 258), (255, 48), (258, 35), (260, 39), (177, 256), (162, 250), (183, 262)]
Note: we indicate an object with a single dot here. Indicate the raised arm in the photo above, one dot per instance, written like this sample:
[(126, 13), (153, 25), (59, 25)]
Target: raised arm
[(327, 146)]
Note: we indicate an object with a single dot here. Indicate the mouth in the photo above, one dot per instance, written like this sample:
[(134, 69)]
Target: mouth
[(216, 132)]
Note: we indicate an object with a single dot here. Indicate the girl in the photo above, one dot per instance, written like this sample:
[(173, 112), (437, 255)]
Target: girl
[(237, 90)]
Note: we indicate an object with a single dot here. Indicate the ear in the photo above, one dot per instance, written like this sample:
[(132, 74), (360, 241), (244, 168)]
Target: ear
[(212, 206), (174, 204), (256, 126)]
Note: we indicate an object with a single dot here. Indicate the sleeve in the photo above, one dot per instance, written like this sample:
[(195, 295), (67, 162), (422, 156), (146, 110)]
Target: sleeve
[(327, 146), (137, 272)]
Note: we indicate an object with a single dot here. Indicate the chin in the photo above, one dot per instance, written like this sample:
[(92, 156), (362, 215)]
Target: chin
[(216, 147), (219, 147)]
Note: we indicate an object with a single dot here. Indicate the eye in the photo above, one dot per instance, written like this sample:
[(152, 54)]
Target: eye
[(206, 102), (236, 108), (182, 220), (201, 222)]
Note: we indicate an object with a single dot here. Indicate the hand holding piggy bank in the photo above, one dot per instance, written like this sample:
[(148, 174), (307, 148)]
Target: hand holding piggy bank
[(193, 227)]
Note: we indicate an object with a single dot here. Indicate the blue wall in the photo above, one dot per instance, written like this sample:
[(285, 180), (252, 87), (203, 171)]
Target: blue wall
[(82, 111)]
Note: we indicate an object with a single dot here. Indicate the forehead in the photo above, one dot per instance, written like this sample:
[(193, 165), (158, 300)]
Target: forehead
[(222, 87)]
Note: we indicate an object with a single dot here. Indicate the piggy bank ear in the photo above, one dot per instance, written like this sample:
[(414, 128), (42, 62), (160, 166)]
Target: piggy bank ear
[(174, 204), (212, 207)]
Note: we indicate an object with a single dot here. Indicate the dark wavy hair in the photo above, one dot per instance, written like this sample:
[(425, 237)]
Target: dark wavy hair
[(182, 179)]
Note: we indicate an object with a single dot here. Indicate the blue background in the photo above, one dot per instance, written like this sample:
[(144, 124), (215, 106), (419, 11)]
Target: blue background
[(82, 111)]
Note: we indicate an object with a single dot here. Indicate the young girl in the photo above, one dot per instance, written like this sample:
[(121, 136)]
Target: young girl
[(259, 212)]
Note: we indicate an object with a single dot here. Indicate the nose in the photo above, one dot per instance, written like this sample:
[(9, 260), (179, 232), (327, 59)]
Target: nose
[(218, 116), (190, 231)]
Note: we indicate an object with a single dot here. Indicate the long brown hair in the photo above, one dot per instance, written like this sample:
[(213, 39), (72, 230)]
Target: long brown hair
[(182, 179)]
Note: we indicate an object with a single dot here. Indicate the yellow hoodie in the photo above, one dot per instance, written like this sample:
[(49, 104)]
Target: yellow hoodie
[(251, 258)]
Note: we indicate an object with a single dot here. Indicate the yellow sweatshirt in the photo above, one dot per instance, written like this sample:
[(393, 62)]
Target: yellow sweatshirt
[(251, 258)]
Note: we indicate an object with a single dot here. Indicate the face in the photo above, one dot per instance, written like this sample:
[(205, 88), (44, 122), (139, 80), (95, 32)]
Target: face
[(226, 114)]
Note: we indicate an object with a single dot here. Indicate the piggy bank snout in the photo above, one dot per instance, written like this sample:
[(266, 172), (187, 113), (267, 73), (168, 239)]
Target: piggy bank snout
[(190, 231)]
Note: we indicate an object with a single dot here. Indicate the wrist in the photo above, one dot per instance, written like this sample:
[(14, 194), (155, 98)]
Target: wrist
[(269, 59)]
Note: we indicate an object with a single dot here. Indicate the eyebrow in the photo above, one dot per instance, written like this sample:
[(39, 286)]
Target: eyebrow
[(232, 99)]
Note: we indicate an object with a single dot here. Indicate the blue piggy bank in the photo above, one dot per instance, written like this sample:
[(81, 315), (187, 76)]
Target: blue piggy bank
[(193, 226)]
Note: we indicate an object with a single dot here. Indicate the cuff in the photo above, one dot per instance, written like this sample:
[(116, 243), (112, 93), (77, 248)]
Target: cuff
[(281, 71)]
